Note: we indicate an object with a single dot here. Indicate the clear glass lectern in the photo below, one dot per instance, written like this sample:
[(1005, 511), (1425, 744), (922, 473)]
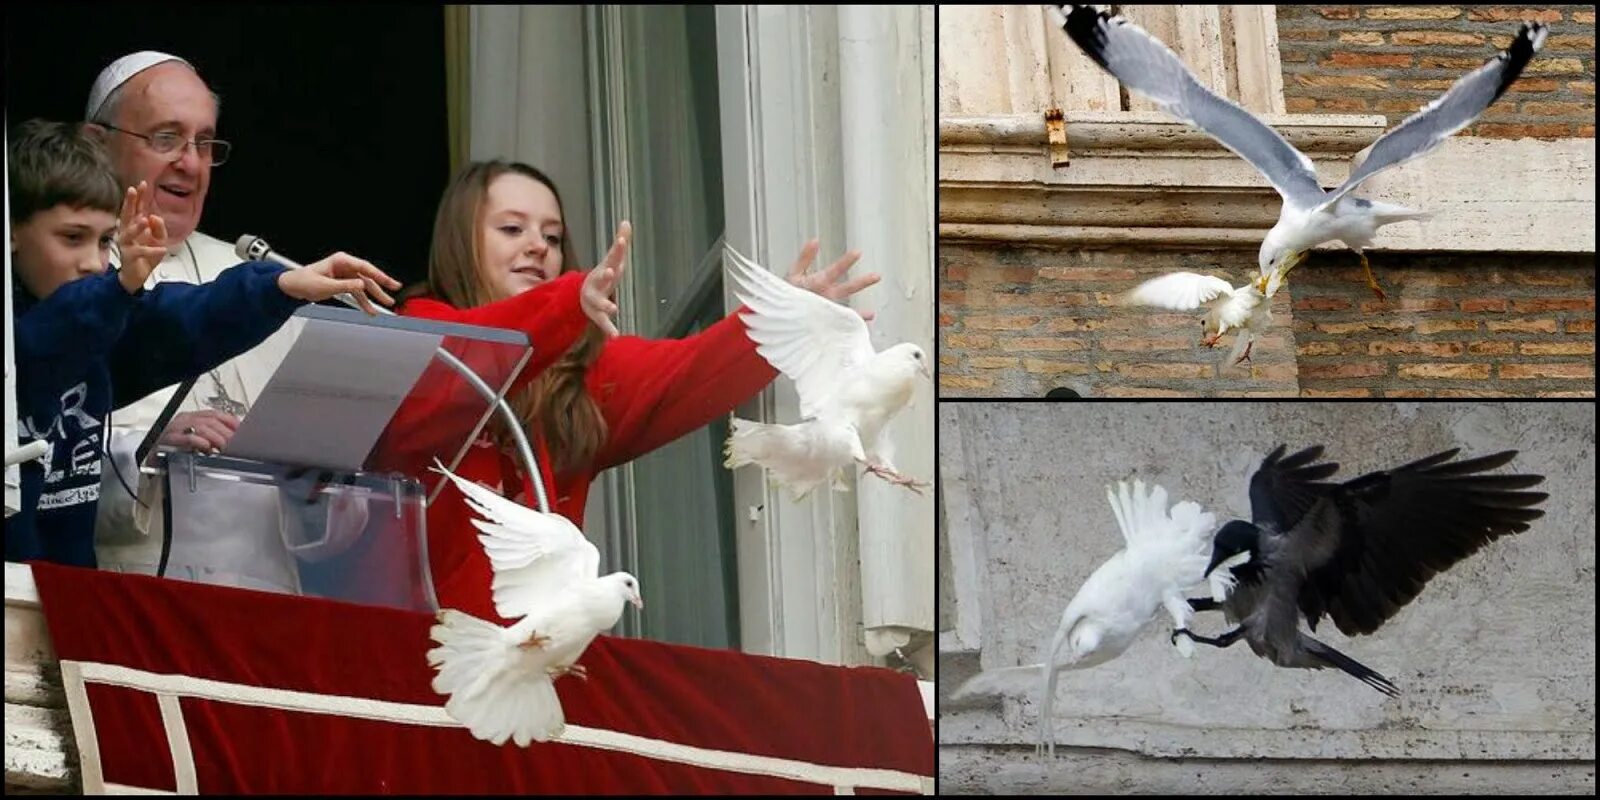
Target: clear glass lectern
[(323, 489)]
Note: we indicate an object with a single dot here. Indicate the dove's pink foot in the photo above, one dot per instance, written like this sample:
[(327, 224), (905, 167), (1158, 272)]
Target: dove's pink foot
[(574, 669), (896, 478), (536, 641), (1246, 356)]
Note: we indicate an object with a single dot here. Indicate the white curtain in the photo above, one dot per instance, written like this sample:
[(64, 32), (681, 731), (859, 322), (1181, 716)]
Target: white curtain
[(529, 102)]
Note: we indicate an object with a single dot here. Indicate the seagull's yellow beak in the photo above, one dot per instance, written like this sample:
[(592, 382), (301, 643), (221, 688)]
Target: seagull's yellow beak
[(1294, 261)]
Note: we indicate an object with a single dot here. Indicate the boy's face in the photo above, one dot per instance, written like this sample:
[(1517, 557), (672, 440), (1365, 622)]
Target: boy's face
[(59, 245)]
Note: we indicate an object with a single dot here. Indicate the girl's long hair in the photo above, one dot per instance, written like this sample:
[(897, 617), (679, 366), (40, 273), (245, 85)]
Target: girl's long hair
[(556, 405)]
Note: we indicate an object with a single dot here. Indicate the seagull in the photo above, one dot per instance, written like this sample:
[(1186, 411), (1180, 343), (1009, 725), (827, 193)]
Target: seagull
[(1227, 307), (1356, 551), (1310, 216), (848, 390), (1164, 555), (501, 679)]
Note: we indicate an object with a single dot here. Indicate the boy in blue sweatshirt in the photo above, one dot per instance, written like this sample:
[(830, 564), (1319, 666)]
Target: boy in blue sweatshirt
[(90, 339)]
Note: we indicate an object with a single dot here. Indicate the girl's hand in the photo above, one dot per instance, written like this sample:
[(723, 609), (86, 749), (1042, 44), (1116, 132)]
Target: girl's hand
[(601, 283), (827, 282)]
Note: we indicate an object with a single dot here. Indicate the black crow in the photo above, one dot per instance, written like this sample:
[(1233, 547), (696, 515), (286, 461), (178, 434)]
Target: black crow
[(1356, 551)]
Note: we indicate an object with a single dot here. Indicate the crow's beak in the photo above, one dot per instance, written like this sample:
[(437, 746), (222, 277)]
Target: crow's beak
[(1226, 561)]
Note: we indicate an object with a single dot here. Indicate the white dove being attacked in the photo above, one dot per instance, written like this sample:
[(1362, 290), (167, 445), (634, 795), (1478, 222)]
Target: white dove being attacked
[(1244, 308), (500, 679), (848, 390), (1164, 556)]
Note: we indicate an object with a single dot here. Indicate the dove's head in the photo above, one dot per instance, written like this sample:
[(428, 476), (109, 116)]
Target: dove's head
[(1211, 328), (911, 356), (626, 586)]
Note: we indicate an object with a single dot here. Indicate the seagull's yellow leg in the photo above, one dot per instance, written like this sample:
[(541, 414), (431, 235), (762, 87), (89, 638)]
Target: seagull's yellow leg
[(1372, 283)]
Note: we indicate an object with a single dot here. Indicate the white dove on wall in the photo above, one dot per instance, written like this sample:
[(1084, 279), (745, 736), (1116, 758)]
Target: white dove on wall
[(500, 679), (1164, 556), (848, 390), (1245, 309)]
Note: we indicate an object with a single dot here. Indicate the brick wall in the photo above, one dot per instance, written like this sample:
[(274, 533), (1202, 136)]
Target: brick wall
[(1019, 321), (1487, 325), (1392, 60)]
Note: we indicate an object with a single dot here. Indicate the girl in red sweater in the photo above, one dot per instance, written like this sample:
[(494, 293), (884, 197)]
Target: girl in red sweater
[(501, 258)]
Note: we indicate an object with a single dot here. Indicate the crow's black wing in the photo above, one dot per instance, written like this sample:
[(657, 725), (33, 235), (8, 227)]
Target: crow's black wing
[(1400, 527), (1283, 489)]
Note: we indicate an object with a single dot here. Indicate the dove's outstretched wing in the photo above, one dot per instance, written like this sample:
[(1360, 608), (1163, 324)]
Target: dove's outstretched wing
[(536, 557), (1179, 291), (804, 335)]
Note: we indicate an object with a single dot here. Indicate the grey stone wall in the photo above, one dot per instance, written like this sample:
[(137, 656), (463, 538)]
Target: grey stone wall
[(1495, 659)]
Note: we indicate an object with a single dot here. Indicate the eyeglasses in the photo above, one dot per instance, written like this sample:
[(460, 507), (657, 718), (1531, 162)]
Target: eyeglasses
[(170, 144)]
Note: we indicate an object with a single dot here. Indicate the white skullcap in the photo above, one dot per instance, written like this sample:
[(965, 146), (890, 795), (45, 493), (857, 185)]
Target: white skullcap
[(118, 73)]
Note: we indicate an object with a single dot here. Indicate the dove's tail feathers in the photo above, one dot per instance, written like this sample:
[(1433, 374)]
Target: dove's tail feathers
[(1193, 522), (521, 706), (490, 693), (470, 651), (782, 450), (1021, 680), (1141, 514), (515, 705), (747, 443)]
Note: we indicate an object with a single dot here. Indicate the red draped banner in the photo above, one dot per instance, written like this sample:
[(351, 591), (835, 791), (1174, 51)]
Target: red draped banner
[(185, 687)]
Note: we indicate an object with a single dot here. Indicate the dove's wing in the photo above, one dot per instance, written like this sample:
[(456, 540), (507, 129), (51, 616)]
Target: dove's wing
[(1179, 291), (804, 335), (1237, 309), (537, 558)]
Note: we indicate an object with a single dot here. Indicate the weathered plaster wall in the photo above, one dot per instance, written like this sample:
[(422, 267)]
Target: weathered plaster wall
[(1495, 659)]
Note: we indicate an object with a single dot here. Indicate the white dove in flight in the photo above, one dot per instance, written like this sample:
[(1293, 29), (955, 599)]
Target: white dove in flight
[(500, 679), (848, 390), (1165, 554), (1243, 308)]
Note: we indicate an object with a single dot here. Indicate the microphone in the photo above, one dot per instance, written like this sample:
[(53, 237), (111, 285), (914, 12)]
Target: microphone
[(255, 248)]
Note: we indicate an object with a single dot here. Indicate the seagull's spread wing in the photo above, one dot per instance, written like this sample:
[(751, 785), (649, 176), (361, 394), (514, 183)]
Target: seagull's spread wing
[(802, 334), (1145, 65), (1454, 110), (537, 557), (1179, 291)]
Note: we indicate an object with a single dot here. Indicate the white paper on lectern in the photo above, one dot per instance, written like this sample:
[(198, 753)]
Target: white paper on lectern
[(333, 395)]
